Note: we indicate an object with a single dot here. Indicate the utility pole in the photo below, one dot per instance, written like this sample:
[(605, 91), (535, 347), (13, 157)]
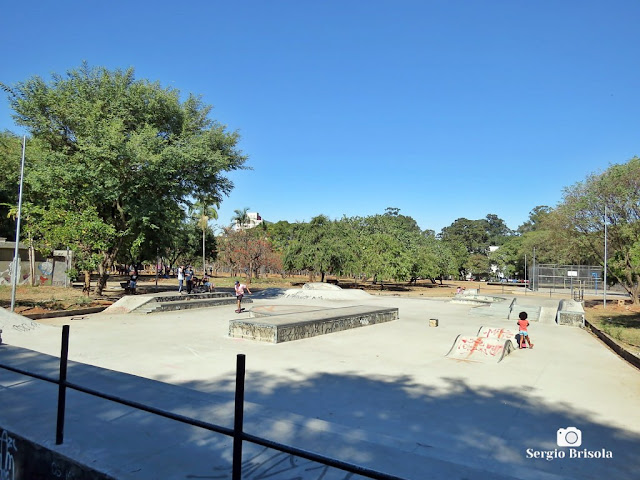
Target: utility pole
[(16, 253), (604, 285)]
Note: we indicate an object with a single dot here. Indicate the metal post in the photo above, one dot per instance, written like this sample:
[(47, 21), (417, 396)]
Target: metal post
[(238, 419), (526, 285), (157, 267), (533, 271), (62, 385), (16, 254), (604, 281)]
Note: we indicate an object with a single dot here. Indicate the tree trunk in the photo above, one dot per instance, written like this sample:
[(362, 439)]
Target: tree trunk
[(87, 282), (32, 263), (103, 269)]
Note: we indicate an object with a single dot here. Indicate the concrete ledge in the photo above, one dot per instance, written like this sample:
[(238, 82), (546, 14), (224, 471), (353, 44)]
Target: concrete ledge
[(188, 303), (179, 297), (26, 460), (296, 326), (570, 313)]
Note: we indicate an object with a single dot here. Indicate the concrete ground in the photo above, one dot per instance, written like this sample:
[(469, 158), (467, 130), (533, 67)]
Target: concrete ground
[(382, 396)]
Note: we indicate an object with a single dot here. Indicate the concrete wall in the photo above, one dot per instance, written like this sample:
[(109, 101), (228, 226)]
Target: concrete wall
[(21, 459), (48, 271)]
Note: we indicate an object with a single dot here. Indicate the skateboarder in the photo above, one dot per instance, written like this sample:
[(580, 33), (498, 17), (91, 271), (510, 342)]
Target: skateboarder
[(240, 293), (523, 324)]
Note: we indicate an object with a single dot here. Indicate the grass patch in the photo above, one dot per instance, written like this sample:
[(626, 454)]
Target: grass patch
[(44, 296), (622, 326)]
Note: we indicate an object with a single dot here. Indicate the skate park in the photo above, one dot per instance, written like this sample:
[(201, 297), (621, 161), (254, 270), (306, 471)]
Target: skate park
[(384, 395)]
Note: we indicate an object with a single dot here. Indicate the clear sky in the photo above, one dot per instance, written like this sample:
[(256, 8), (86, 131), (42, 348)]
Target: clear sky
[(442, 108)]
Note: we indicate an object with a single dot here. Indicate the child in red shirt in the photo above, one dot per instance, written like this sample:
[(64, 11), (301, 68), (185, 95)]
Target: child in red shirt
[(523, 323)]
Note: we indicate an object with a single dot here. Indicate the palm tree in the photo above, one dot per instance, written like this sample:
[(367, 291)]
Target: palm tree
[(205, 211), (241, 217)]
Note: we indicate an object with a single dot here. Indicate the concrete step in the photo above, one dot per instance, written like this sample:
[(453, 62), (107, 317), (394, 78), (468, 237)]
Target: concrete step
[(179, 297), (187, 304), (184, 302)]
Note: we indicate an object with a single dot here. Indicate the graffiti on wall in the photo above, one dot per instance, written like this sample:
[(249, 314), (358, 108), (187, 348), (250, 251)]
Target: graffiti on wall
[(7, 449)]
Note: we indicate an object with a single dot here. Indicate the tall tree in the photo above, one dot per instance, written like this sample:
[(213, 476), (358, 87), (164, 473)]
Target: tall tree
[(129, 148), (497, 230), (536, 217), (10, 156), (315, 248), (470, 233), (611, 197)]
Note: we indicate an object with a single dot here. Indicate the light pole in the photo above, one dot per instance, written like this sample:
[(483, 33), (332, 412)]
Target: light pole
[(16, 253), (604, 275)]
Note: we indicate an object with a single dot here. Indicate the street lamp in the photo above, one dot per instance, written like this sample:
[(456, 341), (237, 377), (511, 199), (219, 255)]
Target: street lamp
[(16, 253)]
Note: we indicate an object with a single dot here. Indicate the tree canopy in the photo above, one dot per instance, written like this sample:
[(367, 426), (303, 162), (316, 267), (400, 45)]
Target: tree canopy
[(611, 198), (128, 148)]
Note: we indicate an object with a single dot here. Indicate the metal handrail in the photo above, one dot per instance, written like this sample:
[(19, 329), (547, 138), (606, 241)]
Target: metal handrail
[(237, 433)]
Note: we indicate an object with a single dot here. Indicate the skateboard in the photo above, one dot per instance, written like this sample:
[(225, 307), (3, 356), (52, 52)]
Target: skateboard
[(240, 311)]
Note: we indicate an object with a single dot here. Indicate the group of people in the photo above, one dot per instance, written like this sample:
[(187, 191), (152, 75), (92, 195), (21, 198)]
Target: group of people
[(187, 279), (186, 276)]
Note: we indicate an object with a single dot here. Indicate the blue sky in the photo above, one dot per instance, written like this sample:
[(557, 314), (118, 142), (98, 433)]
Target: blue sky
[(444, 109)]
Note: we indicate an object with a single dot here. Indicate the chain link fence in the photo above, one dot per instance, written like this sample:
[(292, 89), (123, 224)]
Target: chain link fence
[(559, 277)]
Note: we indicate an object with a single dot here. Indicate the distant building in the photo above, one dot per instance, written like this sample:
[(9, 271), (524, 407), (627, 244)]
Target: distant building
[(253, 220)]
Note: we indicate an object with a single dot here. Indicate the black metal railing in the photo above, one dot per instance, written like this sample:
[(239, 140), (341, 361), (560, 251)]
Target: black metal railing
[(237, 432)]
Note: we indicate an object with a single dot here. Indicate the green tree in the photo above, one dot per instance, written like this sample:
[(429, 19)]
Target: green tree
[(472, 234), (611, 197), (10, 156), (388, 245), (315, 248), (478, 265), (280, 233), (129, 148), (536, 219), (497, 230)]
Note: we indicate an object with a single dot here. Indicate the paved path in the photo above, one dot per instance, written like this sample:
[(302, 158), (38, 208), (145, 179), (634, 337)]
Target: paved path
[(382, 396)]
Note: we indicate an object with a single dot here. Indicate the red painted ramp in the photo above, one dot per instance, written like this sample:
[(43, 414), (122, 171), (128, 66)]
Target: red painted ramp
[(497, 332), (480, 349)]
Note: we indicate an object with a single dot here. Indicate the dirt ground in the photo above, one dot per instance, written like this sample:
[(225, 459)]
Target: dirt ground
[(46, 298)]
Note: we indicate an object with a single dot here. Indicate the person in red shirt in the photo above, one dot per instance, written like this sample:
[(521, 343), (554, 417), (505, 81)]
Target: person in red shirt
[(523, 324)]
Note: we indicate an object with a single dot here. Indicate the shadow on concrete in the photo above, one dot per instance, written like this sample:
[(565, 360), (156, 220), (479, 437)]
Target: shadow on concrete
[(342, 415)]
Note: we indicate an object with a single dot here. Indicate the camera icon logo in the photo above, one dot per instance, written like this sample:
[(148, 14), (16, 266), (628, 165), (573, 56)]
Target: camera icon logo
[(569, 437)]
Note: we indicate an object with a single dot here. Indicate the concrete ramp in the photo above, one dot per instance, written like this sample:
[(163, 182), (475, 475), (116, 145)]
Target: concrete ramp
[(480, 349), (499, 333)]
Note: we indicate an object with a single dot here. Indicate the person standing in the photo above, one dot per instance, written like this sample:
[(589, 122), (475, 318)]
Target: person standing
[(180, 278), (240, 287), (188, 276), (523, 324)]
